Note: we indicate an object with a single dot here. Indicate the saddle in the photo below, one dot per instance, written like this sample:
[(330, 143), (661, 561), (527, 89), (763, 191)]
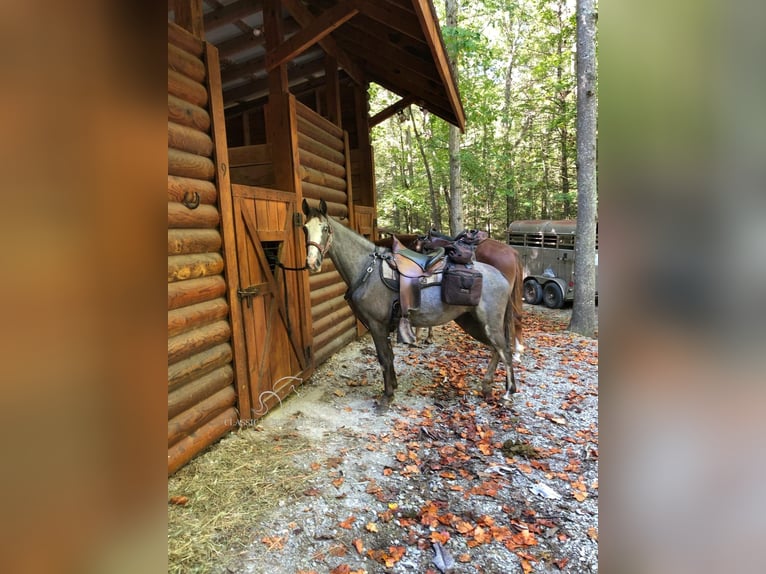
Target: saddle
[(414, 270)]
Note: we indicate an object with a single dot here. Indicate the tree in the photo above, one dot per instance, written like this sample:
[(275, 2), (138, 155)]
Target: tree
[(584, 312), (455, 185)]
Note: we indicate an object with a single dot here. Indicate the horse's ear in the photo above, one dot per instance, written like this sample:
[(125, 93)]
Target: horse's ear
[(305, 207), (322, 207)]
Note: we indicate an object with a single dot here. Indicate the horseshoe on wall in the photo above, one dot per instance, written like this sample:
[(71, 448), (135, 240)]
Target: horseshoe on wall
[(191, 200)]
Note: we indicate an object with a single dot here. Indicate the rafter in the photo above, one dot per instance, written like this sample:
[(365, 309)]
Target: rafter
[(318, 29), (305, 18)]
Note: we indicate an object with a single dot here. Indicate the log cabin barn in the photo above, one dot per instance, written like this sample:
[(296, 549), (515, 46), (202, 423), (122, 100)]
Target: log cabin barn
[(268, 105)]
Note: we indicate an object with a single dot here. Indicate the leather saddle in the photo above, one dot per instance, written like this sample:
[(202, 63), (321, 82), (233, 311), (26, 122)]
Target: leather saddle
[(414, 270)]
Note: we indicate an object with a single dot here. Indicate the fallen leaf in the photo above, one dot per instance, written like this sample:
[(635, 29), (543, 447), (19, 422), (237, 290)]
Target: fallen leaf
[(338, 482), (358, 545), (179, 500), (442, 537), (371, 527), (348, 522), (464, 558), (593, 533), (274, 542), (338, 550), (560, 564), (526, 566)]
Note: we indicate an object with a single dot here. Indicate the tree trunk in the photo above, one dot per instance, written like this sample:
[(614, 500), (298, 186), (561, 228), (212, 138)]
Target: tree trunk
[(455, 193), (562, 106), (436, 221), (584, 311)]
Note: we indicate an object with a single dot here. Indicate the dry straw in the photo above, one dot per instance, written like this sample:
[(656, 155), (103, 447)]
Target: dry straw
[(228, 488)]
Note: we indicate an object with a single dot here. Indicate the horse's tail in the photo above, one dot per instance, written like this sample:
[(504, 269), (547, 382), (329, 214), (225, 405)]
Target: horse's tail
[(516, 298)]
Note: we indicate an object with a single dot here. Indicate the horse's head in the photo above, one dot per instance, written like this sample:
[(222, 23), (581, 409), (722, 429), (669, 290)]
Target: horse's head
[(318, 235)]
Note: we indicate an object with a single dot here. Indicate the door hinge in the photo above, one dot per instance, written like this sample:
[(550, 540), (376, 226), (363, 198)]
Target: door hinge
[(298, 219), (248, 293)]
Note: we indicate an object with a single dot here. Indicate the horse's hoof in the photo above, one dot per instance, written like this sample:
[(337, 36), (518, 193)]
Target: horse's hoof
[(508, 396)]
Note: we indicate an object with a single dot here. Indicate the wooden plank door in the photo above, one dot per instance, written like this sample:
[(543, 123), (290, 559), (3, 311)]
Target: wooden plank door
[(273, 301)]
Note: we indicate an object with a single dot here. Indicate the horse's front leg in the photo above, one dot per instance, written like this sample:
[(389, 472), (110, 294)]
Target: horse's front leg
[(386, 359)]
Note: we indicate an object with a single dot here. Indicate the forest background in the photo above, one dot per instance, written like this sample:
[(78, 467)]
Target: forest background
[(516, 76)]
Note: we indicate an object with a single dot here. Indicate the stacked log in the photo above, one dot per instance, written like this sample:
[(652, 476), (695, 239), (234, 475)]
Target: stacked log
[(333, 322), (322, 156), (201, 394)]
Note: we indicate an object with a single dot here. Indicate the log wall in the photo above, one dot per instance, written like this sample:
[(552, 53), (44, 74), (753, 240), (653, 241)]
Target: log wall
[(201, 392), (324, 172)]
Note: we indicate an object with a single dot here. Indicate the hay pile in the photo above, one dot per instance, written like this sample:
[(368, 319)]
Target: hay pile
[(218, 496)]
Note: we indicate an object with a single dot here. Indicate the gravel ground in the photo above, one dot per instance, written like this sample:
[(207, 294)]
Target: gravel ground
[(443, 480)]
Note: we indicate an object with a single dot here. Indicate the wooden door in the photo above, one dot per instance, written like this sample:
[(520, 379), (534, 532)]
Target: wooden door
[(274, 302)]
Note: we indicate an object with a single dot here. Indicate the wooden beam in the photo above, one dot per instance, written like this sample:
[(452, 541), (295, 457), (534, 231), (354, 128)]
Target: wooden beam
[(231, 13), (261, 85), (218, 128), (272, 24), (189, 16), (395, 108), (427, 19), (317, 29), (304, 17), (393, 16), (252, 39), (332, 90)]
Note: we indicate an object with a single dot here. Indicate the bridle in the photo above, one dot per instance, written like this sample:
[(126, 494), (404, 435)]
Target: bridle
[(322, 249)]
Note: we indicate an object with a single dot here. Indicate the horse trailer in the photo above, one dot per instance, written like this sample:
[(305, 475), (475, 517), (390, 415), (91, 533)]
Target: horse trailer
[(546, 248)]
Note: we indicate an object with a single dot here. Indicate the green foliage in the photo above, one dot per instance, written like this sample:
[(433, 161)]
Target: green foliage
[(518, 150)]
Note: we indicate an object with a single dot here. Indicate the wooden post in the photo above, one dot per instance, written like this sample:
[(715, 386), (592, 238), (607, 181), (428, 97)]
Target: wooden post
[(366, 193), (189, 16), (225, 201), (332, 90), (282, 134)]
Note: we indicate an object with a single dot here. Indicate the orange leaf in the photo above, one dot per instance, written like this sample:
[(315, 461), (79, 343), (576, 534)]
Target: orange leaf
[(463, 527), (371, 527), (342, 569), (560, 564), (464, 558), (358, 545), (526, 566), (348, 522), (179, 500), (593, 533), (274, 542), (580, 496), (338, 482), (338, 550), (440, 537)]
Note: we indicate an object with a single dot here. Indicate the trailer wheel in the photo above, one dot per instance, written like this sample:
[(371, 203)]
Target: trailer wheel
[(533, 293), (552, 295)]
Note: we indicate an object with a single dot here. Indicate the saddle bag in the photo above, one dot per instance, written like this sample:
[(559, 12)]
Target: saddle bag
[(461, 286)]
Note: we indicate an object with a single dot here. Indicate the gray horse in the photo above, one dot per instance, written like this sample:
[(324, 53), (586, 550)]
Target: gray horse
[(357, 261)]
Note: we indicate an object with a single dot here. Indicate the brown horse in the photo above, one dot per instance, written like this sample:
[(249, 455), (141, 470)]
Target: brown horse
[(499, 255), (502, 257)]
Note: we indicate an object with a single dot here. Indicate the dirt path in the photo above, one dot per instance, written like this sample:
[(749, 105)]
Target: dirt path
[(442, 479)]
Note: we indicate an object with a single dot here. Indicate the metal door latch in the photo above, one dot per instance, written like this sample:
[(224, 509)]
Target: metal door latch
[(248, 293)]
